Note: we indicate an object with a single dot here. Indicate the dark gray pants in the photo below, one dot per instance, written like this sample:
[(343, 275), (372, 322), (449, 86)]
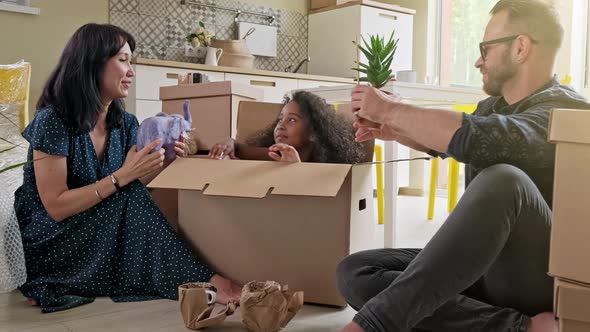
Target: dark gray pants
[(484, 270)]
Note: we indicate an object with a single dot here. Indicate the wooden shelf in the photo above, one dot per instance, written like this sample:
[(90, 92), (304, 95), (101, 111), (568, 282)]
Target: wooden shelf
[(19, 9)]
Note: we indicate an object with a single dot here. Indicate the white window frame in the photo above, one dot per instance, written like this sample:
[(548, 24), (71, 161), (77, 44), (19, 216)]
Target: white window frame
[(443, 52), (576, 46)]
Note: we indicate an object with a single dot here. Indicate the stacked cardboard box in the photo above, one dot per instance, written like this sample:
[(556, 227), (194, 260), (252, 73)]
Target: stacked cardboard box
[(570, 234), (214, 107)]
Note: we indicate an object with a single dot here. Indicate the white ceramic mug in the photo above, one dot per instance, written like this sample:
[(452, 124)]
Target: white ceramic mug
[(213, 55), (211, 296)]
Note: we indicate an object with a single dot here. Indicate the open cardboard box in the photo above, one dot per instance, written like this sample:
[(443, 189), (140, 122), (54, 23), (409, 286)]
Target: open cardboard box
[(266, 220), (571, 306), (213, 106), (571, 214)]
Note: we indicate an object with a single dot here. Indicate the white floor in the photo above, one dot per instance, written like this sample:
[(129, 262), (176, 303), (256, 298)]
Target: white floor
[(413, 231)]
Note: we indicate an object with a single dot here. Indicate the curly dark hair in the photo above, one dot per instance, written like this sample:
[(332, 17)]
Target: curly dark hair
[(334, 134)]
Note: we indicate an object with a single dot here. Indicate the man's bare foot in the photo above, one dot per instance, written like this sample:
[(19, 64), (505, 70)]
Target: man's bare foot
[(32, 301), (543, 322), (352, 327), (227, 291)]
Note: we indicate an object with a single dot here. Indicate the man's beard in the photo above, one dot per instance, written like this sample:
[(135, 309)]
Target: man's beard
[(498, 76)]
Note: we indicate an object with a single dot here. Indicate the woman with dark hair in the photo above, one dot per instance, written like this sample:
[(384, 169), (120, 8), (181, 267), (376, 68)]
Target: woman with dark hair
[(89, 227), (307, 129)]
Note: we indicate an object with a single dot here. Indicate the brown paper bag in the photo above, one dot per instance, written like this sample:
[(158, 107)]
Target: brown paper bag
[(265, 307), (197, 300)]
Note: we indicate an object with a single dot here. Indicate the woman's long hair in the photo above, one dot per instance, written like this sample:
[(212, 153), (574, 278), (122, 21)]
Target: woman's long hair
[(73, 88), (333, 134)]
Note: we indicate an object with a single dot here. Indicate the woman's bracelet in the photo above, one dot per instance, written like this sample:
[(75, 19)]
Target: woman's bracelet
[(115, 182), (100, 198)]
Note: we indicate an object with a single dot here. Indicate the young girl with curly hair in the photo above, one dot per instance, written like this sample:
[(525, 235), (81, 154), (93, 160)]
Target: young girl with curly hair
[(306, 130)]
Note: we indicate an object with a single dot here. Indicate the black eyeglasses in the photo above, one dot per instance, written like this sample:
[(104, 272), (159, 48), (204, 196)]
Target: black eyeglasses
[(482, 46)]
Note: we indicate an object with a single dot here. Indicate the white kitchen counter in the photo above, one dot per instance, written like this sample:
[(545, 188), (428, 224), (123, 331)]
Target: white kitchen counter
[(235, 70)]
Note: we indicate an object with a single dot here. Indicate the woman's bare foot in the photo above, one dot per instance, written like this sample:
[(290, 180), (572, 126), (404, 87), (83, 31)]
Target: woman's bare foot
[(32, 301), (227, 291), (352, 327), (543, 322)]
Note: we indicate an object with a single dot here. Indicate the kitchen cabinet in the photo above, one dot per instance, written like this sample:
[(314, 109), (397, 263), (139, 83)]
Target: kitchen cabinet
[(308, 84), (144, 95), (274, 88), (331, 33)]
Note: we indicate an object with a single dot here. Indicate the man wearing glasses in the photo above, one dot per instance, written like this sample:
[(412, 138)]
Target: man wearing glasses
[(486, 268)]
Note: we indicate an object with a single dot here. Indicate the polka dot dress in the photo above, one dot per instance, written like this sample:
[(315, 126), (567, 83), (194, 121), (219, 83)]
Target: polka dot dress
[(123, 247)]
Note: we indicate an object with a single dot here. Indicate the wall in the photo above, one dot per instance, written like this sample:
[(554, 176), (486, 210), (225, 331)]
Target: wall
[(40, 39), (160, 27)]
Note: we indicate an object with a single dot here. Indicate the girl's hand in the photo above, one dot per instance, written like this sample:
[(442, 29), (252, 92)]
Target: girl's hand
[(284, 152), (223, 149), (180, 147)]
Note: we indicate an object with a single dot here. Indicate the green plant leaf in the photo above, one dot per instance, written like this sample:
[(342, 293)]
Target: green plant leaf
[(361, 70), (379, 53), (8, 149), (8, 168)]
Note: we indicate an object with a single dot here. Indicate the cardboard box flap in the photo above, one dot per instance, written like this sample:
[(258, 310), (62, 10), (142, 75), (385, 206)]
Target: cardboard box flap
[(570, 125), (224, 88), (245, 178), (571, 301), (254, 116)]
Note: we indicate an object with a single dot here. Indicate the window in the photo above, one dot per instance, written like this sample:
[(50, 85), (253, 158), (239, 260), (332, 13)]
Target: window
[(462, 28)]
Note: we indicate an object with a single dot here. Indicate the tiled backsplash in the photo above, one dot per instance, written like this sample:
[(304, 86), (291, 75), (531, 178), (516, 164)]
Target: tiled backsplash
[(160, 27)]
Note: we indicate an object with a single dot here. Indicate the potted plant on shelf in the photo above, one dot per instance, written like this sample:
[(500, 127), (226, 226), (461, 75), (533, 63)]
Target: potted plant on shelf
[(379, 56), (200, 39)]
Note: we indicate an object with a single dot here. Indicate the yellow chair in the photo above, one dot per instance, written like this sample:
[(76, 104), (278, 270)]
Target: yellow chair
[(378, 150), (380, 184), (566, 80), (453, 185), (15, 81)]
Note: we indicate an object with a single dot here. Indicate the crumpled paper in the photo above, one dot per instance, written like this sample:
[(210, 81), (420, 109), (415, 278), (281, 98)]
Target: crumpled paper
[(196, 312), (265, 307)]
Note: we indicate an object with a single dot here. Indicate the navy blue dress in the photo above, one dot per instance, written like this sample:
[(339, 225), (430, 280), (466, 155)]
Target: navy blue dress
[(122, 247)]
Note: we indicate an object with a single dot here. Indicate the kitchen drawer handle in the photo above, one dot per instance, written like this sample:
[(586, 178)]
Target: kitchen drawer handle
[(393, 17), (172, 76), (263, 83)]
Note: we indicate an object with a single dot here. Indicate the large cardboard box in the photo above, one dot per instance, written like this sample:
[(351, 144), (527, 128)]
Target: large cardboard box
[(267, 220), (254, 116), (570, 231), (571, 306), (214, 107)]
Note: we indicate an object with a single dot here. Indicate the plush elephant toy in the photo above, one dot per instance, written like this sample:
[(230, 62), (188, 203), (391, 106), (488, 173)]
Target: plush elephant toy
[(167, 127)]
